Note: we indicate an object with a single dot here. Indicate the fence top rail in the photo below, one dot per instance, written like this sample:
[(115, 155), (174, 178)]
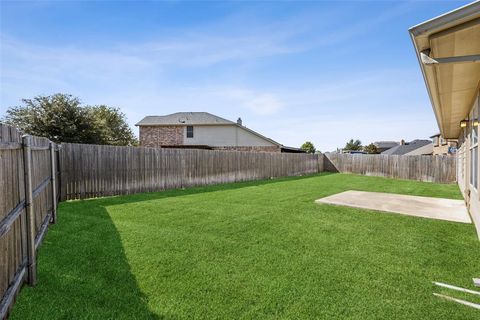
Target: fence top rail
[(334, 154), (39, 143), (176, 150), (10, 145)]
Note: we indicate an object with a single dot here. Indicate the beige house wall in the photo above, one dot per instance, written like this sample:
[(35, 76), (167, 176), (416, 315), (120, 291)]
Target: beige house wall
[(443, 149), (471, 195), (224, 135), (252, 149), (441, 145), (475, 210), (461, 169)]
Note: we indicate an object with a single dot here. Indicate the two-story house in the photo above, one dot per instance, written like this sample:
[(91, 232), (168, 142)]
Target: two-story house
[(204, 130)]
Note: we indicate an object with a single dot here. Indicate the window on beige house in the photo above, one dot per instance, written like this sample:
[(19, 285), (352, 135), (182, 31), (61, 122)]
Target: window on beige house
[(189, 131)]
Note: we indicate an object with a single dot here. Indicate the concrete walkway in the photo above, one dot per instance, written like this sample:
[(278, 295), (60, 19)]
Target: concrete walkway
[(426, 207)]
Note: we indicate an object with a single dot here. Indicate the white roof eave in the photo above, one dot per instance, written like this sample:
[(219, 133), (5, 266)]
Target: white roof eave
[(420, 38)]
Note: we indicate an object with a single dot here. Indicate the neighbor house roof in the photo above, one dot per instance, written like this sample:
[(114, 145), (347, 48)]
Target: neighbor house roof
[(423, 150), (407, 147), (184, 118), (385, 144), (441, 44)]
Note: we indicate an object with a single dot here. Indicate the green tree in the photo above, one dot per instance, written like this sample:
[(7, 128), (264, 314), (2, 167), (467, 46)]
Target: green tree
[(308, 147), (111, 126), (61, 118), (353, 145), (371, 149)]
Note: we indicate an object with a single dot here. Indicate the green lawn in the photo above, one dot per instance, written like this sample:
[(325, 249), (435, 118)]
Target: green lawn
[(252, 250)]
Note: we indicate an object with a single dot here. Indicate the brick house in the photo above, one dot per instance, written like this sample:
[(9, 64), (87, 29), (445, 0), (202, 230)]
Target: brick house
[(203, 130)]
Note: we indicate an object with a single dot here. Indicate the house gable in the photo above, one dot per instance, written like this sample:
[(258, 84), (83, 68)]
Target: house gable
[(204, 129)]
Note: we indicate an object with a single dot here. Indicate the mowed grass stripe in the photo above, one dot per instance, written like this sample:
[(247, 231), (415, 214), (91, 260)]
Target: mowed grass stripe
[(251, 250)]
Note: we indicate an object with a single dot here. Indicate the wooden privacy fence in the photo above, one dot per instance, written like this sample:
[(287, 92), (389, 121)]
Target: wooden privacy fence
[(35, 174), (28, 200), (441, 169), (96, 170)]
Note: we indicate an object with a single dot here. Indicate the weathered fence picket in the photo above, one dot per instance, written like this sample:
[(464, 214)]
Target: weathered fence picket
[(98, 170), (35, 174), (27, 179), (440, 169)]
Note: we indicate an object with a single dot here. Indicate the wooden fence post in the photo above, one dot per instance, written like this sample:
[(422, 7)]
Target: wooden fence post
[(53, 182), (30, 213)]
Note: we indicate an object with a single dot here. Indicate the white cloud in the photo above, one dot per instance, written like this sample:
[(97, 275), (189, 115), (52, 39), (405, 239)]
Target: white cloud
[(257, 102), (169, 74), (205, 50)]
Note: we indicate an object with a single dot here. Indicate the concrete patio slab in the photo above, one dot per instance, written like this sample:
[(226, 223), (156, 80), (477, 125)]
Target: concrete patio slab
[(425, 207)]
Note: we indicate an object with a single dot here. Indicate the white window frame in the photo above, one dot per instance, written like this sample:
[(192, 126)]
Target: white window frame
[(473, 150)]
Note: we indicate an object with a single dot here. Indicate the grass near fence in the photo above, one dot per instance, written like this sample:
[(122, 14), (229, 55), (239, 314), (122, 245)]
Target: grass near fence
[(251, 250)]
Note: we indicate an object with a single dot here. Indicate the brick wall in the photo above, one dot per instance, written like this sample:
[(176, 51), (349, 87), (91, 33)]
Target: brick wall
[(253, 149), (156, 136)]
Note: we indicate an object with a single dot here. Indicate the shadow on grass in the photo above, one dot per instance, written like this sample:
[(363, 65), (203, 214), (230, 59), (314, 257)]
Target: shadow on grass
[(83, 271), (147, 196)]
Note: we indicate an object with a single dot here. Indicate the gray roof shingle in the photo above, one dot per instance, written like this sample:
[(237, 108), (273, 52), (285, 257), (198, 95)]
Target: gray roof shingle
[(407, 147), (183, 118), (386, 144)]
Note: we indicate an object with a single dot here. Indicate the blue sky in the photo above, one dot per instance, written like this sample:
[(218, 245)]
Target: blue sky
[(294, 71)]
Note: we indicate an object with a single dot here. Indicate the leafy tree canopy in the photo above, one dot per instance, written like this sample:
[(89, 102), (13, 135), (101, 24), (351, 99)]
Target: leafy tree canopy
[(353, 145), (371, 149), (308, 147), (62, 118)]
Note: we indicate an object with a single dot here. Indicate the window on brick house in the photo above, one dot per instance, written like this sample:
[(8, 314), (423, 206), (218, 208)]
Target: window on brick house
[(189, 131)]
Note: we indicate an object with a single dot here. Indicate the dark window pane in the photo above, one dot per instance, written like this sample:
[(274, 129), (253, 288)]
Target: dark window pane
[(189, 132)]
